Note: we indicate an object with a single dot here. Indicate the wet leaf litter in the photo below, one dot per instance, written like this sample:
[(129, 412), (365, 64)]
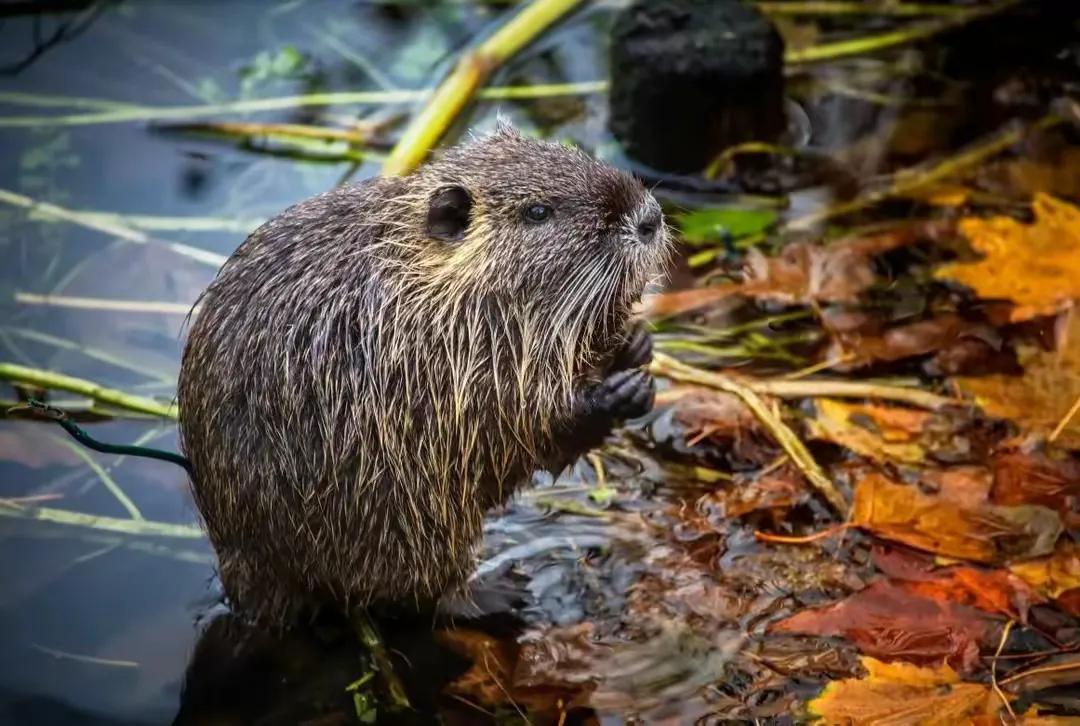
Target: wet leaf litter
[(859, 497)]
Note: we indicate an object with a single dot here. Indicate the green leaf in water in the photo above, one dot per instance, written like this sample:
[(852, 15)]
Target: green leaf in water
[(708, 226)]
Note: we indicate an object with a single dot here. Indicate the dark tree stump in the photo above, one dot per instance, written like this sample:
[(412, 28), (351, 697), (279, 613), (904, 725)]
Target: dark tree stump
[(692, 77)]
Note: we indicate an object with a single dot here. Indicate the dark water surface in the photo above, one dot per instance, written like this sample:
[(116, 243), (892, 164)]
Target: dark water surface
[(99, 626)]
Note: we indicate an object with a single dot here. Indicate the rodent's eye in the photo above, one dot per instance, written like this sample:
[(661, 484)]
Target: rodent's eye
[(448, 214), (537, 213)]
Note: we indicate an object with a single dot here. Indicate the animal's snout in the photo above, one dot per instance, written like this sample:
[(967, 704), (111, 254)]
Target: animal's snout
[(649, 225)]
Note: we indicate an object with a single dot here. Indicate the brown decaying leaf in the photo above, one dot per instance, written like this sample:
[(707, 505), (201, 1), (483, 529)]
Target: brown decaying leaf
[(1039, 400), (804, 273), (1034, 265), (899, 693), (801, 273), (955, 522), (488, 679), (957, 344), (1029, 475), (886, 620)]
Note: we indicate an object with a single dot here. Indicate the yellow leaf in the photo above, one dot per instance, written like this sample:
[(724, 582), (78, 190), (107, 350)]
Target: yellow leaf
[(1041, 398), (1054, 574), (880, 433), (901, 693), (942, 524), (1037, 265)]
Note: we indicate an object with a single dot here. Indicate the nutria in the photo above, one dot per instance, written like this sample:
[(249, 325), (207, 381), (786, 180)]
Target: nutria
[(376, 367)]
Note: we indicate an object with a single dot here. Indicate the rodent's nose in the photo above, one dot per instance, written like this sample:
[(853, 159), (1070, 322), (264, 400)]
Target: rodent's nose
[(649, 226)]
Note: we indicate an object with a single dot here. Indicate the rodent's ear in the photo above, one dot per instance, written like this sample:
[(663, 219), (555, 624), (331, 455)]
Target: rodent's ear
[(449, 213)]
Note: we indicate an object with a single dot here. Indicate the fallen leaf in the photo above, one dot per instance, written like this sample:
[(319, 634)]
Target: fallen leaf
[(995, 591), (1055, 574), (488, 679), (954, 342), (939, 523), (709, 226), (804, 273), (1033, 265), (899, 693), (1043, 476), (880, 433), (1039, 399), (670, 304), (887, 620)]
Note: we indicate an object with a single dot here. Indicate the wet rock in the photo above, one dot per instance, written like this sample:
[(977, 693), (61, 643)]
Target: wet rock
[(692, 77)]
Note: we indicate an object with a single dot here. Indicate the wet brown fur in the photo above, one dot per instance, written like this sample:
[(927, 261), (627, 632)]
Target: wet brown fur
[(355, 395)]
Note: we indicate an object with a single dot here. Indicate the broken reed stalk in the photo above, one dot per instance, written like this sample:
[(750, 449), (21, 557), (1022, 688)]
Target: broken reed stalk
[(668, 367), (474, 68), (143, 527), (101, 303), (369, 637), (905, 36), (357, 136), (24, 375), (909, 180), (836, 7), (128, 114), (112, 227)]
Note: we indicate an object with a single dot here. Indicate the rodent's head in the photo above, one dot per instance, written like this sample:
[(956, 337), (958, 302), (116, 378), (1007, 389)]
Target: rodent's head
[(540, 222)]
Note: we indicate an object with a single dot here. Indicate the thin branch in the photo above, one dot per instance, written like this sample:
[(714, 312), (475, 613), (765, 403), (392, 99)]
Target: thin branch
[(100, 303), (893, 39), (668, 367), (112, 397), (370, 98)]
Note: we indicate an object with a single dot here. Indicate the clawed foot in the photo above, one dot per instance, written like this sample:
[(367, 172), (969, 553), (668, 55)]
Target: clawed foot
[(623, 395), (636, 351)]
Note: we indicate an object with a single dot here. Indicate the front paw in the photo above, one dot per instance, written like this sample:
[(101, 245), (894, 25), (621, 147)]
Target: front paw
[(624, 395), (636, 351)]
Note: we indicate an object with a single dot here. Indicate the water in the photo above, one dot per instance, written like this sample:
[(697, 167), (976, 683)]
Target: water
[(100, 627), (96, 628)]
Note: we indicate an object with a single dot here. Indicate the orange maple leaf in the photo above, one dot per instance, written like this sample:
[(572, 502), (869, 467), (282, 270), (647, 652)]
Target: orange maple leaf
[(1037, 266)]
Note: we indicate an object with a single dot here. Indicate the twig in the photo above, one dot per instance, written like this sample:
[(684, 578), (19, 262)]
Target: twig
[(830, 7), (905, 36), (99, 303), (906, 181), (808, 389), (172, 113), (114, 228), (1056, 668), (9, 508), (48, 379), (851, 389), (784, 539), (993, 668), (93, 660), (666, 366), (157, 223), (357, 136), (369, 636), (470, 73), (1064, 421)]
